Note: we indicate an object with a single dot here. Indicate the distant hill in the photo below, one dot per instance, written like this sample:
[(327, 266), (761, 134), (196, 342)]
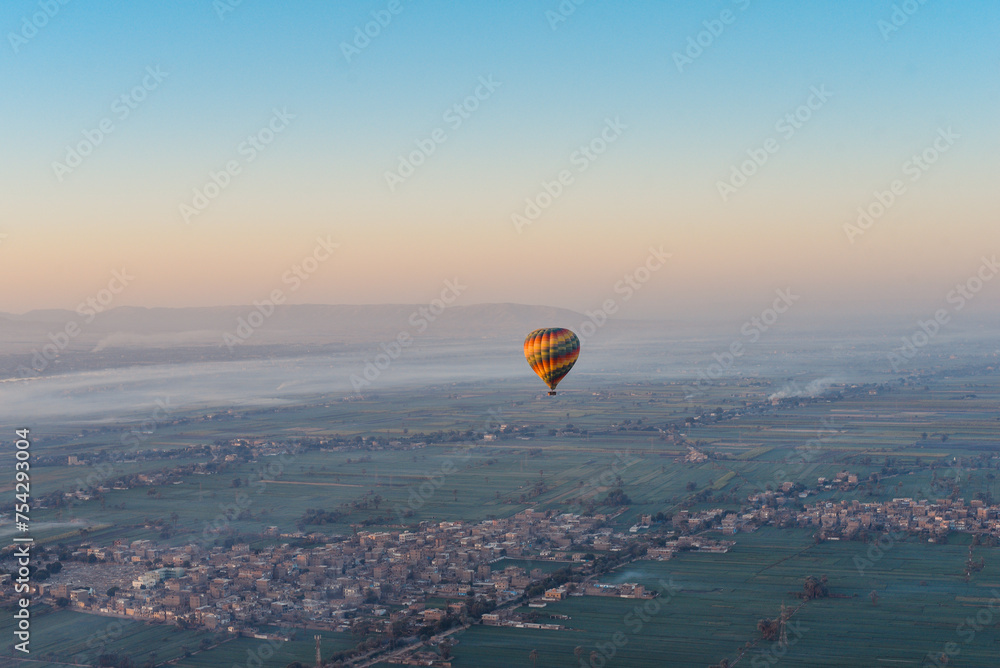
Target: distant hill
[(158, 328)]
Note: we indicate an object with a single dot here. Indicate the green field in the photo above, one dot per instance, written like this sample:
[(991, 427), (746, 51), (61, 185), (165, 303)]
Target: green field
[(474, 480), (60, 637), (63, 637), (717, 600), (246, 651)]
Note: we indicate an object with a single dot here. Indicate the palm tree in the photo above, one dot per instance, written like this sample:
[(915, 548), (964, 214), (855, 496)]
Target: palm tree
[(533, 657)]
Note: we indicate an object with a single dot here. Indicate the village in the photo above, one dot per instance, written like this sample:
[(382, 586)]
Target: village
[(392, 577), (333, 585)]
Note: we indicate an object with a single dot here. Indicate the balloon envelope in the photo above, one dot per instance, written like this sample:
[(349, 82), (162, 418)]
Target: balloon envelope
[(551, 352)]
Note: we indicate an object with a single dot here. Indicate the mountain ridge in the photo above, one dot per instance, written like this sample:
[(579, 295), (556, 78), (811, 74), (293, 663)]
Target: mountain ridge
[(166, 327)]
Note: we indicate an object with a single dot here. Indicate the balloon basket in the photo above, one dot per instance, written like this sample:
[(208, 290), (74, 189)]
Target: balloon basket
[(552, 393)]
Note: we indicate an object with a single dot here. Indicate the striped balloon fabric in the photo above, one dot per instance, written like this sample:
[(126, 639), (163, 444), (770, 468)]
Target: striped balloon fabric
[(551, 352)]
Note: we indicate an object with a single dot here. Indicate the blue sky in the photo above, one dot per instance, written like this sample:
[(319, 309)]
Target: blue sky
[(558, 84)]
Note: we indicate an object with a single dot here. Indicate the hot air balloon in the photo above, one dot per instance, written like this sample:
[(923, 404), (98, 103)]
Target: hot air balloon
[(551, 352)]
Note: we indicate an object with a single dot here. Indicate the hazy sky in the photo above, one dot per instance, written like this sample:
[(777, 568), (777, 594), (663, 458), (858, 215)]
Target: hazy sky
[(115, 115)]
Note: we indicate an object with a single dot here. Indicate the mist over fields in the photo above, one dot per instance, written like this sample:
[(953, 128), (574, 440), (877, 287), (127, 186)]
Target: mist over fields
[(121, 362)]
